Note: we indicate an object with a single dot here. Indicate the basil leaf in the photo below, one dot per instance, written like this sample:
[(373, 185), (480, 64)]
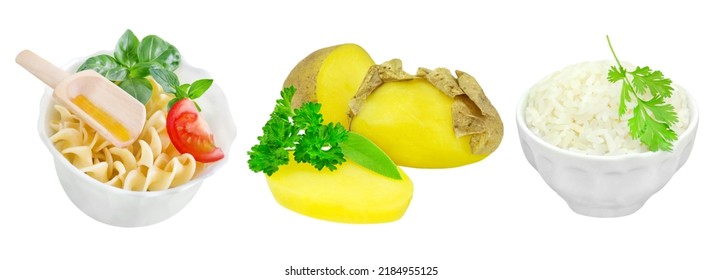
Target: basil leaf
[(105, 65), (197, 107), (183, 89), (199, 87), (138, 88), (166, 79), (117, 74), (361, 150), (173, 102), (169, 59), (142, 69), (151, 47), (126, 51)]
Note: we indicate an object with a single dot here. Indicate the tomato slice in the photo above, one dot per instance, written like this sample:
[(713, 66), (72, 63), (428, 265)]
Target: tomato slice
[(189, 132)]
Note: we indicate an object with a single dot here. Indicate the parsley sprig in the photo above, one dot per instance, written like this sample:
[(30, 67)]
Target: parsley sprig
[(652, 118), (318, 144), (302, 130)]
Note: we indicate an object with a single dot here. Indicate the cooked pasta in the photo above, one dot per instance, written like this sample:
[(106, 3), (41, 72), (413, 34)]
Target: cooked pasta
[(149, 164)]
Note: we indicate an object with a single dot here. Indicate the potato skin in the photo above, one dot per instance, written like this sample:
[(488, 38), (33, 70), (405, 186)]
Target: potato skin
[(303, 76), (350, 194), (330, 76)]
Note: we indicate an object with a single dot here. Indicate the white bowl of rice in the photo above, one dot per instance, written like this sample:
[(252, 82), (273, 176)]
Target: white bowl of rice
[(572, 135)]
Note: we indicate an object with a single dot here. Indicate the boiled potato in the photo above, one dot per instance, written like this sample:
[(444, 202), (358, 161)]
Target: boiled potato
[(411, 122), (428, 120), (350, 194), (330, 76)]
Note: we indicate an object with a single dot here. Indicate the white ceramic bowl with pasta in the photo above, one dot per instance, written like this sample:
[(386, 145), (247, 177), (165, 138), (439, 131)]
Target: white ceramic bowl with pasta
[(605, 186), (125, 208)]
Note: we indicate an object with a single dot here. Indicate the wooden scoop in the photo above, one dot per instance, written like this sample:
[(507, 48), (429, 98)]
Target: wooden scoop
[(107, 108)]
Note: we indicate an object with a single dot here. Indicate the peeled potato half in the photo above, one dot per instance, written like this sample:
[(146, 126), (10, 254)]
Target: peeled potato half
[(428, 120), (350, 194)]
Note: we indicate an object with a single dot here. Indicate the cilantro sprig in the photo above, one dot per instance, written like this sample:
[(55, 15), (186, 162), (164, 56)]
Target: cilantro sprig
[(652, 118), (302, 131)]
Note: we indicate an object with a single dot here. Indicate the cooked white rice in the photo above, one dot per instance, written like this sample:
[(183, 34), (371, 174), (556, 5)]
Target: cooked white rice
[(577, 109)]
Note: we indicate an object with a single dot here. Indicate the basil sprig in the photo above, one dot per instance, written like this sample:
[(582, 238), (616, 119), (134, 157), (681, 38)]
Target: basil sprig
[(133, 60), (169, 81)]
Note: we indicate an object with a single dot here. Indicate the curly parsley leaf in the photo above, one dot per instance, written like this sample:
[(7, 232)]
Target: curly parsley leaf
[(283, 107), (303, 132), (267, 159), (320, 146), (308, 116), (652, 118)]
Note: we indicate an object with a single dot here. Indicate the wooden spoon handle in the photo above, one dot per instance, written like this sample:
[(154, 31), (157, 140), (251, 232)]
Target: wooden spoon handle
[(50, 74)]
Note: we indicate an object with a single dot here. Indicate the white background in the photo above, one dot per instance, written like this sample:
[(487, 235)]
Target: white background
[(495, 219)]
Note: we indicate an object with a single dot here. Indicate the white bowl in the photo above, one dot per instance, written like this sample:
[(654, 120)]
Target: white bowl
[(605, 186), (125, 208)]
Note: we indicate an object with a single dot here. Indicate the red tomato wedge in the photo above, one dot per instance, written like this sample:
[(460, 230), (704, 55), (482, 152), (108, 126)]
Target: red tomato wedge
[(189, 132)]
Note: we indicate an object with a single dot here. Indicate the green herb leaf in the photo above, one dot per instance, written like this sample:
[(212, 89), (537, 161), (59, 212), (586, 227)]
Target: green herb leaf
[(267, 158), (625, 97), (199, 87), (183, 89), (361, 150), (126, 51), (169, 59), (645, 79), (311, 142), (133, 61), (166, 79), (614, 75), (105, 65), (302, 132), (308, 116), (173, 102), (661, 111), (279, 134), (283, 107), (151, 47), (117, 74), (652, 118), (139, 88), (142, 69), (319, 146), (654, 134)]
